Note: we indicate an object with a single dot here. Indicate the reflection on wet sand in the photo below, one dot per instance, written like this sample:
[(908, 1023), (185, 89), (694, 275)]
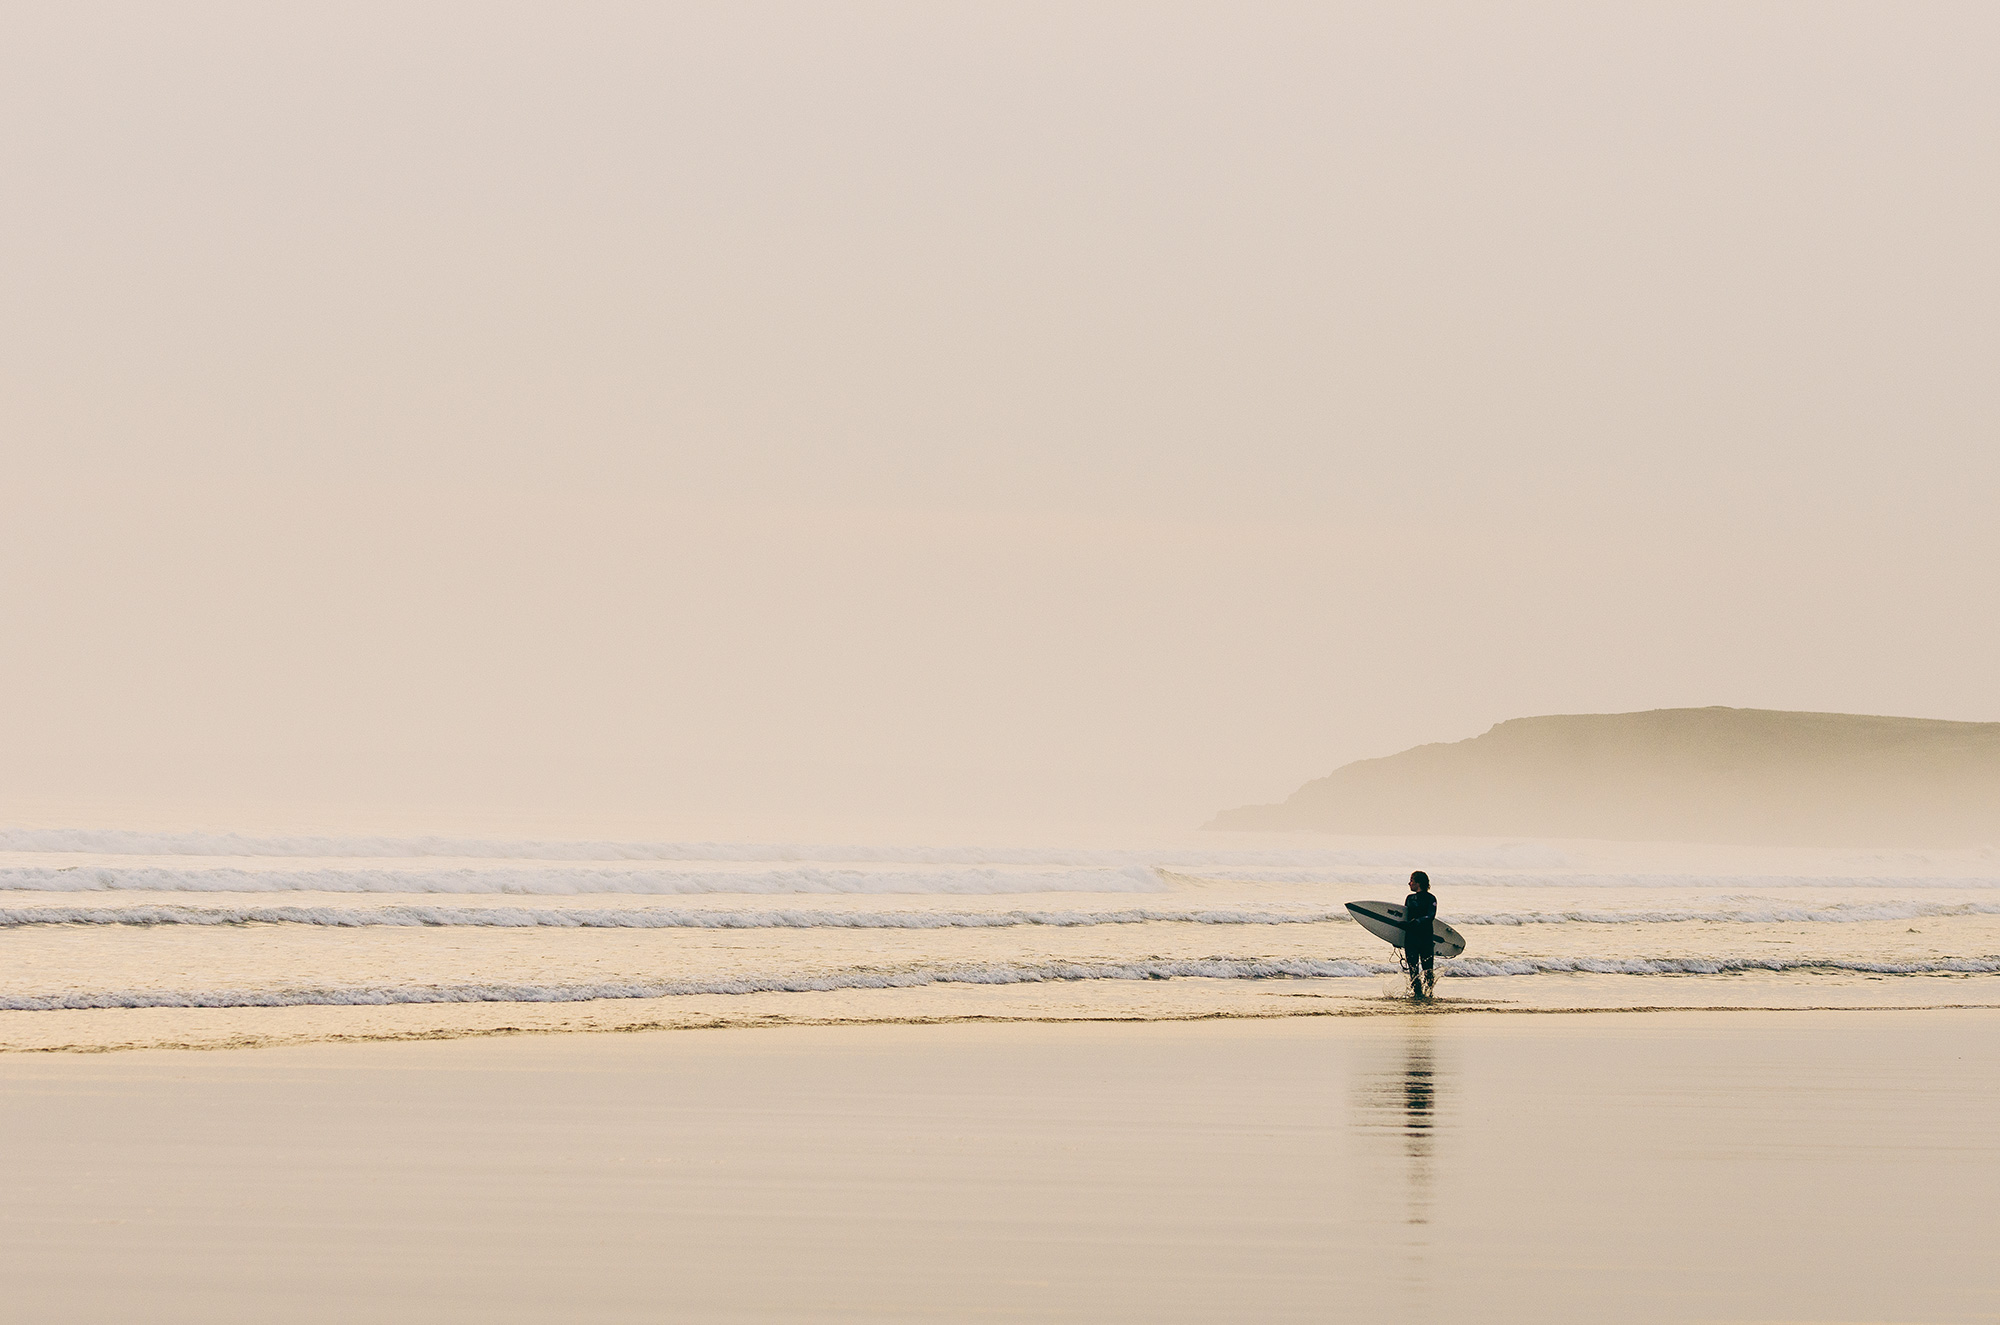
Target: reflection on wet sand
[(1400, 1102)]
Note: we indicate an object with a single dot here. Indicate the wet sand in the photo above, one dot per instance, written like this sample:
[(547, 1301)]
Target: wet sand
[(1670, 1166)]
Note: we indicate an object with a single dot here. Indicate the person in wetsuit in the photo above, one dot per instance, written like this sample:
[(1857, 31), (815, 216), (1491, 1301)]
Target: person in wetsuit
[(1419, 940)]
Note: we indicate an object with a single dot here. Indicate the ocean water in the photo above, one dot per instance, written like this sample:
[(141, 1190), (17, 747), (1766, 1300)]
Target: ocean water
[(113, 939)]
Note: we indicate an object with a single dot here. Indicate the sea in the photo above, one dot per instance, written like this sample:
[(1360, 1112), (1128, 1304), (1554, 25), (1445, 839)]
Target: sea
[(113, 939)]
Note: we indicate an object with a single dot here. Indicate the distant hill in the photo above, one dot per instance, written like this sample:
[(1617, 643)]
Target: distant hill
[(1686, 775)]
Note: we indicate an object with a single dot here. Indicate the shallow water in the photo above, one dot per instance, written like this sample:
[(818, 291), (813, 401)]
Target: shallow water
[(136, 940)]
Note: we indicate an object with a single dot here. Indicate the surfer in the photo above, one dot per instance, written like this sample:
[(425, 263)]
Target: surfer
[(1418, 940)]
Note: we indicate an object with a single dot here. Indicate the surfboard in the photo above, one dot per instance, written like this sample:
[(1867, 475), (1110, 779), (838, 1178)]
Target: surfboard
[(1385, 921)]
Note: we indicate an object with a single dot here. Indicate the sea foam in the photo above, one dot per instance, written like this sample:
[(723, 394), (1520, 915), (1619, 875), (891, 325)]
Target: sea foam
[(125, 842), (1523, 879), (531, 917), (565, 881), (1213, 968), (522, 917)]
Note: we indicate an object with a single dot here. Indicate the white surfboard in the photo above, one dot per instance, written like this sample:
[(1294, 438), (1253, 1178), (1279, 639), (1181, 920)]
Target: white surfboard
[(1385, 921)]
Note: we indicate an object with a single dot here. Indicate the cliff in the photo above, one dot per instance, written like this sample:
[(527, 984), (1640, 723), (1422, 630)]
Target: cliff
[(1688, 775)]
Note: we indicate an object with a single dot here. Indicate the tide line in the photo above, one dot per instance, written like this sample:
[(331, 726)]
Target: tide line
[(1213, 968)]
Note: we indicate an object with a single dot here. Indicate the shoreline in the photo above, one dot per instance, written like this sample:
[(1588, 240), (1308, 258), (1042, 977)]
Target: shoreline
[(1356, 1008)]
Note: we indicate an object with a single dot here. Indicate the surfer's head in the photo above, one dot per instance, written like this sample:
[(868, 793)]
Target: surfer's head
[(1420, 882)]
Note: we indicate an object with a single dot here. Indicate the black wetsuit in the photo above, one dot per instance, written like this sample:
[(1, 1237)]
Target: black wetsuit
[(1419, 941)]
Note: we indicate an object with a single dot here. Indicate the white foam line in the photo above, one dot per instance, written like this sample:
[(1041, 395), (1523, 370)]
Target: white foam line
[(569, 881), (1470, 966), (522, 917), (636, 918), (1214, 968), (1662, 881), (1834, 913), (121, 842)]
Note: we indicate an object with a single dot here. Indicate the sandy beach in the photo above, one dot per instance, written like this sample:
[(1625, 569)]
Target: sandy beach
[(1670, 1166), (1079, 662)]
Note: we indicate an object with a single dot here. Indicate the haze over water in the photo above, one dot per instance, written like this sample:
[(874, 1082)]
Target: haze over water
[(843, 422)]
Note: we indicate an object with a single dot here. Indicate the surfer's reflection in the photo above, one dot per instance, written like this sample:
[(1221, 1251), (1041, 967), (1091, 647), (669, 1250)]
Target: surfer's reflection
[(1400, 1101)]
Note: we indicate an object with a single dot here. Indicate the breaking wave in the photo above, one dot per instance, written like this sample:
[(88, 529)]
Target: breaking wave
[(634, 918), (559, 882), (523, 917), (561, 879), (1217, 968), (1477, 966), (1214, 968), (1834, 913), (1662, 881), (123, 842)]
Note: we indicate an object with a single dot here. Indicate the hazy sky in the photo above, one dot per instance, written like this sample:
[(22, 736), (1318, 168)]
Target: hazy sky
[(765, 419)]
